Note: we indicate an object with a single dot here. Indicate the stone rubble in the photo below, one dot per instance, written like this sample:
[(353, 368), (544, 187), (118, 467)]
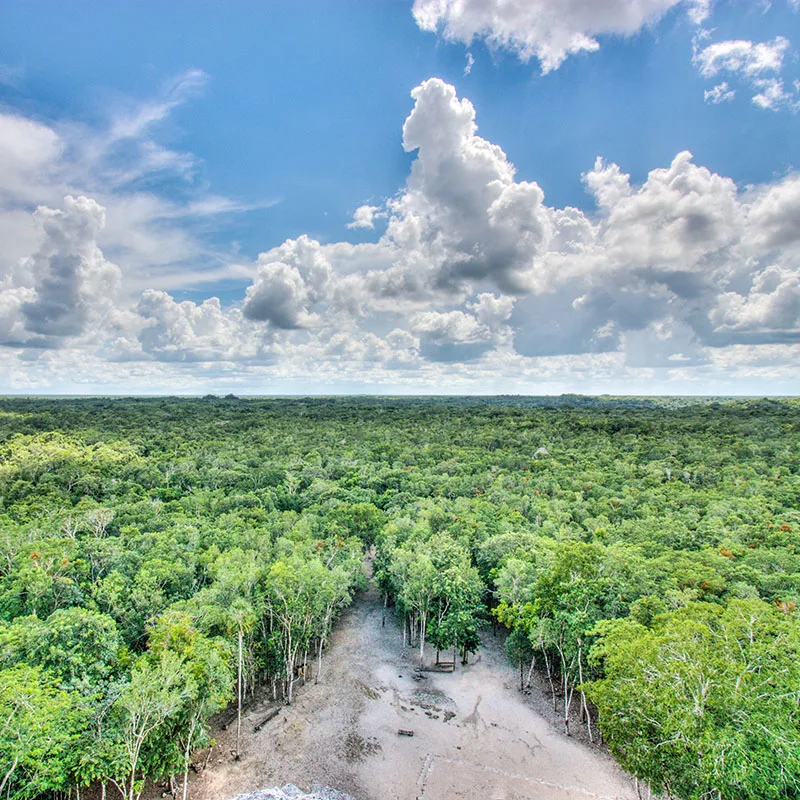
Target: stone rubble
[(291, 792)]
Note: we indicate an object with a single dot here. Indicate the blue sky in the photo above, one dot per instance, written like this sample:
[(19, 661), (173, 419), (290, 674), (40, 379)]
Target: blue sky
[(178, 184)]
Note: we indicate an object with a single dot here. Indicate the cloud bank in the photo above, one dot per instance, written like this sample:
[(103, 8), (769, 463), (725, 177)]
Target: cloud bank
[(475, 280)]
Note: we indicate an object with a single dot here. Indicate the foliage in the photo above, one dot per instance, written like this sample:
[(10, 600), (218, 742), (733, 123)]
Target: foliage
[(704, 703), (162, 557)]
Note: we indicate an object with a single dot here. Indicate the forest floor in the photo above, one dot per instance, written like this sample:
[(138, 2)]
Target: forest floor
[(475, 734)]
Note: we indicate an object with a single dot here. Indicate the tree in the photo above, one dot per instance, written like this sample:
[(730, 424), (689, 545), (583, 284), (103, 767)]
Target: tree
[(39, 726), (158, 690), (232, 603), (208, 685), (704, 703)]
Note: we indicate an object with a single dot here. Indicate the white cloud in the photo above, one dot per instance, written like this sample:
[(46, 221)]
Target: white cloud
[(772, 305), (679, 217), (278, 296), (476, 281), (750, 59), (721, 93), (29, 153), (462, 218), (187, 331), (548, 30), (469, 65), (607, 183), (132, 123), (492, 310), (452, 327), (115, 163), (757, 64), (290, 279), (450, 336), (67, 285), (772, 94), (364, 217), (774, 216), (659, 255)]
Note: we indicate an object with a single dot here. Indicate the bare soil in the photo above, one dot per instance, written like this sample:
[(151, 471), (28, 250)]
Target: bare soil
[(475, 734)]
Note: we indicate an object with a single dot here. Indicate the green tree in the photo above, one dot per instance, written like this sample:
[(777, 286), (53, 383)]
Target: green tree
[(40, 725), (704, 703)]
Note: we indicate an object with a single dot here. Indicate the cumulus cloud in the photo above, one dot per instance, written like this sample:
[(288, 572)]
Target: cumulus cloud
[(492, 310), (548, 30), (476, 278), (364, 217), (278, 296), (657, 256), (771, 306), (67, 284), (462, 218), (191, 332), (607, 184), (679, 217), (450, 336), (774, 216), (290, 279), (452, 327)]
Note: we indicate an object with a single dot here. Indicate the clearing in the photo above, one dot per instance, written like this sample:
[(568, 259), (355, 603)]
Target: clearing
[(475, 734)]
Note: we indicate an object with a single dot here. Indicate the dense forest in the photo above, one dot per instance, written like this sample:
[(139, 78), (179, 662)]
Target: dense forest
[(163, 559)]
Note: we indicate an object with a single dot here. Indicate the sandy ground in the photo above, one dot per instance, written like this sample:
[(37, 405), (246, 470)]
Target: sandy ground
[(475, 735)]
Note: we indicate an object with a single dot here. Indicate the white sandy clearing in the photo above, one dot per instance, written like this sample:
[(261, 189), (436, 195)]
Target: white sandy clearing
[(474, 734)]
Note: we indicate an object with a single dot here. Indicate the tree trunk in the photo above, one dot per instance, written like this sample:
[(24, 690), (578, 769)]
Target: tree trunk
[(585, 706), (9, 774), (239, 697), (550, 679), (567, 692), (530, 672), (567, 695), (290, 668), (134, 764), (186, 756)]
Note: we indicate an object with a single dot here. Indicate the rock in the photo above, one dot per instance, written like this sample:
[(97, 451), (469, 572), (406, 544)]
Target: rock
[(291, 792)]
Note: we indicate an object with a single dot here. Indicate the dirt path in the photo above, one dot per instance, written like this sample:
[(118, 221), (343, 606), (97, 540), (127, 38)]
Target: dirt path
[(474, 735)]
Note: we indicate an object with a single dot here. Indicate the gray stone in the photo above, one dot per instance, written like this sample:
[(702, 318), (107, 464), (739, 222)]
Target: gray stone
[(291, 792)]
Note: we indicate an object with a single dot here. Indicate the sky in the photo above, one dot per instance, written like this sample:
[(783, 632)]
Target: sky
[(400, 197)]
